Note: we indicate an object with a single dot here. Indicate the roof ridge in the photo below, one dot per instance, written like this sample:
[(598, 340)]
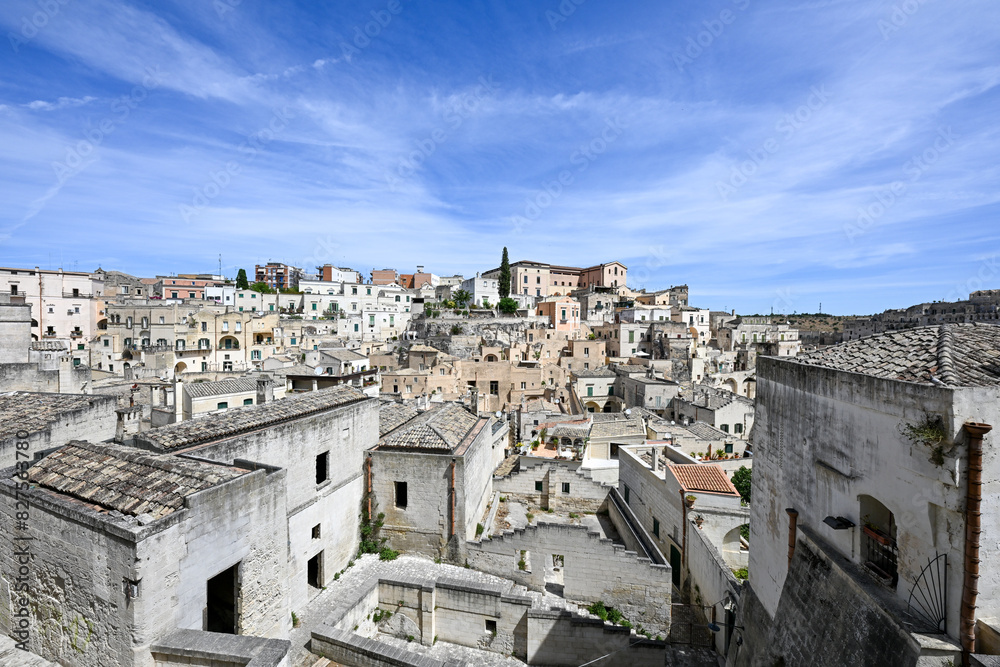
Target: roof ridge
[(945, 359)]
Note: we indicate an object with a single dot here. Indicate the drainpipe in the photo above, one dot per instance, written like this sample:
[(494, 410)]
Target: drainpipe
[(793, 519), (684, 530), (974, 497), (452, 493)]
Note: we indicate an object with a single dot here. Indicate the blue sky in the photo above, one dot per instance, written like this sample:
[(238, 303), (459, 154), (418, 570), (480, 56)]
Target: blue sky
[(769, 154)]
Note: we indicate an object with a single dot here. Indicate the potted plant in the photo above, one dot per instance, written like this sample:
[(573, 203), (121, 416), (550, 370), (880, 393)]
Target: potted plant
[(689, 500)]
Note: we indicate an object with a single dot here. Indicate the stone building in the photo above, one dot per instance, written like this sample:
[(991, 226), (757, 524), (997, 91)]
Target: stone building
[(319, 437), (65, 305), (32, 423), (720, 408), (431, 477), (127, 547), (864, 485)]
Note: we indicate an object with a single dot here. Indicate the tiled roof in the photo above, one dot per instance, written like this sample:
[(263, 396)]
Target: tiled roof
[(251, 417), (602, 372), (392, 415), (703, 477), (126, 479), (297, 369), (33, 412), (705, 431), (956, 355), (440, 429), (621, 428), (423, 348), (631, 368), (343, 354), (230, 386)]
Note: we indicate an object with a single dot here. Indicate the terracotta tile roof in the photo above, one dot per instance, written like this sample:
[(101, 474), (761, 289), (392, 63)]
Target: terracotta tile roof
[(955, 355), (440, 429), (703, 477), (249, 418), (125, 479)]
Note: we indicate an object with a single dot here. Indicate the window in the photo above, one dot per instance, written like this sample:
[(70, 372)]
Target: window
[(316, 532), (222, 406), (656, 527), (524, 385), (400, 489), (737, 428), (204, 366), (538, 485), (107, 342), (565, 487), (322, 467), (173, 295), (729, 448), (494, 387), (626, 494), (491, 627), (247, 401), (724, 427)]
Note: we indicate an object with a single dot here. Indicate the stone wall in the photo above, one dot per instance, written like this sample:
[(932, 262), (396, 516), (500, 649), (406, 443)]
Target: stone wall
[(335, 504), (347, 648), (81, 560), (562, 639), (211, 649), (585, 495), (593, 569), (93, 421), (423, 525), (710, 579), (830, 614)]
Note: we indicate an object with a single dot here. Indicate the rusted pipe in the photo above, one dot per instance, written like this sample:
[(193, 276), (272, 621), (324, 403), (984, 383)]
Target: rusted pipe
[(684, 530), (793, 519), (452, 534), (973, 520)]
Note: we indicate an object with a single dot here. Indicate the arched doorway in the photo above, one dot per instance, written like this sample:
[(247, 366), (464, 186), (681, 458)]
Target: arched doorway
[(180, 368)]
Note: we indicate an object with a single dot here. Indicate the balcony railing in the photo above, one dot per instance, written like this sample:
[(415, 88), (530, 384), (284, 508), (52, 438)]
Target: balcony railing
[(880, 555)]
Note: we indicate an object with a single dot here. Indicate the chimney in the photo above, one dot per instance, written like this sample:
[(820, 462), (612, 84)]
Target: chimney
[(178, 400), (656, 459), (475, 400), (265, 390)]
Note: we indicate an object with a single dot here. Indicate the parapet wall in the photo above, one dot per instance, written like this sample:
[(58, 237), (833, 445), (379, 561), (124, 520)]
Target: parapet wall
[(563, 639), (584, 495), (593, 569)]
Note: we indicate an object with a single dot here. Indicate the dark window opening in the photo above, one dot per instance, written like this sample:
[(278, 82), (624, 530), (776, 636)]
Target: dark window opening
[(565, 487), (221, 606), (656, 527), (400, 495), (491, 627), (316, 532), (538, 485), (322, 467)]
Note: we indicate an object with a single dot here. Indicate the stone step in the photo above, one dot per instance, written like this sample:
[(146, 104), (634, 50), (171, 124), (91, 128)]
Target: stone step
[(10, 656)]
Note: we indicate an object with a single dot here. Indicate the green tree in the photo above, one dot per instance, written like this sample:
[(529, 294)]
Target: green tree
[(241, 280), (462, 297), (263, 288), (504, 286), (508, 306), (741, 480)]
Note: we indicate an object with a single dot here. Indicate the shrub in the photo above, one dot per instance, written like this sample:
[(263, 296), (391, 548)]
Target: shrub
[(388, 554), (742, 574), (479, 529)]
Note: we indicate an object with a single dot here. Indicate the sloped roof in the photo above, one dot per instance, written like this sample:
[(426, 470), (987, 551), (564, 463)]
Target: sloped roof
[(955, 355), (251, 417), (343, 354), (393, 415), (33, 412), (441, 429), (230, 386), (705, 431), (125, 479), (620, 428), (708, 478), (602, 372)]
